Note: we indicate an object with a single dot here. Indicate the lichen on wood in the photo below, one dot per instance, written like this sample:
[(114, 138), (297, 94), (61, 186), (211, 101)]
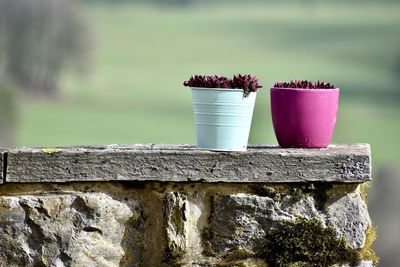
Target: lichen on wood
[(51, 150)]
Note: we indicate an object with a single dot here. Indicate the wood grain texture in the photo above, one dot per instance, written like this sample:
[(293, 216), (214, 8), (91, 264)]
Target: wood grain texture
[(185, 163)]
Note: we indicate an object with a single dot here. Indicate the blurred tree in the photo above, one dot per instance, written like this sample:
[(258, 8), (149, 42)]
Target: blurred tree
[(397, 67), (39, 39)]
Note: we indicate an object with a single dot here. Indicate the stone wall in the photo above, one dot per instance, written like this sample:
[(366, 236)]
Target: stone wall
[(178, 206)]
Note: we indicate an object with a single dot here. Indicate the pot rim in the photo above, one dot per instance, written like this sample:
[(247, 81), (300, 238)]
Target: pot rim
[(219, 89), (305, 90)]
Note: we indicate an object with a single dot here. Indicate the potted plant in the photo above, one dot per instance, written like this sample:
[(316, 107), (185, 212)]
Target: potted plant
[(304, 113), (223, 110)]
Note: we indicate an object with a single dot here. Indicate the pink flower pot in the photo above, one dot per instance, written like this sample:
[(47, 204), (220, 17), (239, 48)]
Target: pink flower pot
[(304, 118)]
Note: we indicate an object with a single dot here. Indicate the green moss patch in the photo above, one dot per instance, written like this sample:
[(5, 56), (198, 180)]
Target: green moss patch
[(307, 243)]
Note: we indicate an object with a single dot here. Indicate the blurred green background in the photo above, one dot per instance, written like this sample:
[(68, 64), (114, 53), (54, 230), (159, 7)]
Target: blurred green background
[(122, 64)]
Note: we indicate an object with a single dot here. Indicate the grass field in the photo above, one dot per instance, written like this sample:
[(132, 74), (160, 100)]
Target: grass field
[(142, 54)]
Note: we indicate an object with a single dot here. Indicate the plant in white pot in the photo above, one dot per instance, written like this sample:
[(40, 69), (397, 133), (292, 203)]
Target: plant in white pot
[(223, 110)]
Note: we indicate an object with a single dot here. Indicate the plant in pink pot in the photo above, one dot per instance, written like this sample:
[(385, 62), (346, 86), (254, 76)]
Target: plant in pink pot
[(304, 113)]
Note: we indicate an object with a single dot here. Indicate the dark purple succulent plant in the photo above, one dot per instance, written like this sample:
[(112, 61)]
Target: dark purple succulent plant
[(246, 82), (300, 84), (208, 81)]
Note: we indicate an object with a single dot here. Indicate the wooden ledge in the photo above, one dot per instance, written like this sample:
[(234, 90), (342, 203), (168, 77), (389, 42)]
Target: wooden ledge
[(185, 163)]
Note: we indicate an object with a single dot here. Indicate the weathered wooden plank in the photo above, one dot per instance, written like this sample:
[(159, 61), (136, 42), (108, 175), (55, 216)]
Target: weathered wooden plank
[(168, 163)]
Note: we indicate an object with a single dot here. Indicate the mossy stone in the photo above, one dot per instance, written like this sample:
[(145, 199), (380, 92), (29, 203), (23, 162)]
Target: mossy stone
[(307, 243)]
